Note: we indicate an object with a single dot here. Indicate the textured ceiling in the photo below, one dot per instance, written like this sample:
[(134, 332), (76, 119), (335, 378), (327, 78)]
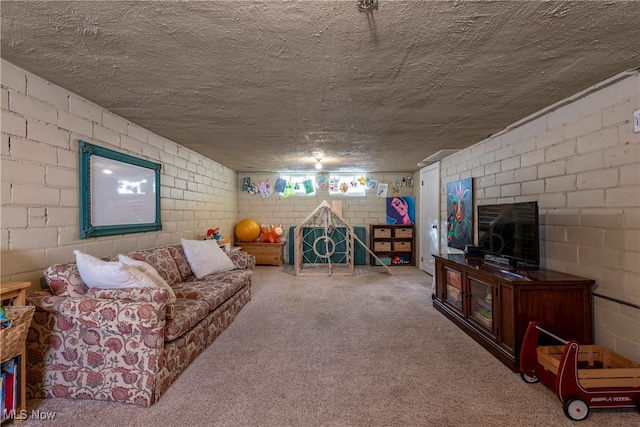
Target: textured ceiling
[(260, 86)]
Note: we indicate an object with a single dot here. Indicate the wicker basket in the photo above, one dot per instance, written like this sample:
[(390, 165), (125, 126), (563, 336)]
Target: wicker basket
[(14, 336)]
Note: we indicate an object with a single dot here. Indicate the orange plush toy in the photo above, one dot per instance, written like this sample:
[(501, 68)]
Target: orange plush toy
[(271, 236)]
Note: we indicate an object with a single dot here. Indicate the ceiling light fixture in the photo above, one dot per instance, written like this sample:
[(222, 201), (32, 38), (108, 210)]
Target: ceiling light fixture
[(367, 5)]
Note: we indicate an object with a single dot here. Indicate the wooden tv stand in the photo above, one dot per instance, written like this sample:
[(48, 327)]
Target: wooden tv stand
[(494, 304)]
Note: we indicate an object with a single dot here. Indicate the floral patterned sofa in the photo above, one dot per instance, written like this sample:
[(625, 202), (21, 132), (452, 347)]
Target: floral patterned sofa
[(128, 345)]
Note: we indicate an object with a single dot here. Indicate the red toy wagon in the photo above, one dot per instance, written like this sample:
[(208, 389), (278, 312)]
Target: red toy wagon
[(582, 376)]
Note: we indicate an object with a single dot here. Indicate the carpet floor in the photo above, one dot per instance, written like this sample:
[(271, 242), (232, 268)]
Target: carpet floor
[(367, 350)]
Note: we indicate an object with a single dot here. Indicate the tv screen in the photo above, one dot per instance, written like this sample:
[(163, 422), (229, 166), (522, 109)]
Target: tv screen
[(510, 231)]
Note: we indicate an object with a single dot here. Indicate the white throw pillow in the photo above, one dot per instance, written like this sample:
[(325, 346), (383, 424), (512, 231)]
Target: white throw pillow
[(205, 257), (96, 273), (153, 274)]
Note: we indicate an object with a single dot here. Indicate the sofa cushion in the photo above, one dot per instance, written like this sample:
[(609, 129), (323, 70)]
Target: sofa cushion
[(181, 261), (205, 257), (187, 313), (151, 272), (160, 259), (215, 288), (96, 273)]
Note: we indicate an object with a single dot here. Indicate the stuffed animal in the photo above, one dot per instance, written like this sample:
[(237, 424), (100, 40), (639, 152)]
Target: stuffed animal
[(271, 235)]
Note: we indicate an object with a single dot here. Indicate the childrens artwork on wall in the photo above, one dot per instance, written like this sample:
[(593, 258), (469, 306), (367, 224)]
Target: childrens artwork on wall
[(246, 183), (383, 189), (396, 189), (308, 186), (460, 213), (288, 190), (265, 189), (371, 184), (401, 210), (334, 182), (323, 181), (280, 185)]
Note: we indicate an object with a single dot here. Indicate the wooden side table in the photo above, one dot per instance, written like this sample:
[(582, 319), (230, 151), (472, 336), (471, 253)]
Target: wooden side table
[(14, 293), (265, 253)]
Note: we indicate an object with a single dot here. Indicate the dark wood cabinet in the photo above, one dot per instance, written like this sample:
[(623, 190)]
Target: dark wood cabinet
[(394, 244), (494, 304)]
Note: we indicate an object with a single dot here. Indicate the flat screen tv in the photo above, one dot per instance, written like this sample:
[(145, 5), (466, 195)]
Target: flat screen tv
[(509, 233)]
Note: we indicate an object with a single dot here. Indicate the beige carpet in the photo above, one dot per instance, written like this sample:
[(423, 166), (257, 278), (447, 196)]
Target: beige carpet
[(368, 350)]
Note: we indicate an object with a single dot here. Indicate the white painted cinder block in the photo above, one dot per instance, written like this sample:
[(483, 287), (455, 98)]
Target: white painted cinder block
[(13, 77), (75, 124), (33, 108), (14, 217), (62, 177), (622, 197), (586, 199), (23, 194), (82, 108), (587, 162), (115, 123), (47, 133), (20, 172), (32, 151), (47, 92), (13, 124), (32, 238), (584, 126), (603, 178), (4, 98)]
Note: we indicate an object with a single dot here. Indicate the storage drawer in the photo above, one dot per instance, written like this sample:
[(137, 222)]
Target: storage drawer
[(384, 233), (404, 233), (381, 246), (402, 246)]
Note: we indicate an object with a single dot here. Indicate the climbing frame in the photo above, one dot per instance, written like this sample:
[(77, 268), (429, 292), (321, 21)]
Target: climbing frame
[(323, 221)]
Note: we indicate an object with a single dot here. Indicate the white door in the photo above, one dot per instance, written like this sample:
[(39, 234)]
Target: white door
[(430, 214)]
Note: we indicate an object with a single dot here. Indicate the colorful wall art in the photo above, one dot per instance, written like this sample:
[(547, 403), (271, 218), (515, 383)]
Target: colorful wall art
[(460, 213), (401, 210)]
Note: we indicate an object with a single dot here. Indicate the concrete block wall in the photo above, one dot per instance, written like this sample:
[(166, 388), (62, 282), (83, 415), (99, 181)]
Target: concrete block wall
[(580, 159), (291, 211), (39, 213)]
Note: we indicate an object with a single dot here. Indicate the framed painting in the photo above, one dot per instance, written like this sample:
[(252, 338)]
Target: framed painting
[(460, 213), (401, 210), (119, 193)]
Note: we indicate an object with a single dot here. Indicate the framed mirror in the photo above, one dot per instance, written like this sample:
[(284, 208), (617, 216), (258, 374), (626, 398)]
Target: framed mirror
[(119, 193)]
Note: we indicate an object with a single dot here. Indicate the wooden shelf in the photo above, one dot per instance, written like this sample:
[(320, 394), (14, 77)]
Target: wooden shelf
[(393, 242), (14, 293)]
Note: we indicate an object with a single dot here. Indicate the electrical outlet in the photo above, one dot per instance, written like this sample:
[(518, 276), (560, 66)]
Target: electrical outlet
[(636, 121)]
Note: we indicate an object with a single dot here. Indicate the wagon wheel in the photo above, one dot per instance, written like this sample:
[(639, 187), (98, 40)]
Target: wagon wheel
[(528, 379), (576, 409)]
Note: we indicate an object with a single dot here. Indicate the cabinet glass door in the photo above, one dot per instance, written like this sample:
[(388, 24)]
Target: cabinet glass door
[(481, 309), (453, 281)]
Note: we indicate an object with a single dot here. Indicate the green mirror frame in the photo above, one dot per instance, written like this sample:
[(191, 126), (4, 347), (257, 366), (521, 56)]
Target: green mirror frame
[(114, 204)]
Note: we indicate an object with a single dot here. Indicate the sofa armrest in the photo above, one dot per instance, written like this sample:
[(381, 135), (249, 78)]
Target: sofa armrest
[(242, 259), (81, 347), (110, 316), (131, 294)]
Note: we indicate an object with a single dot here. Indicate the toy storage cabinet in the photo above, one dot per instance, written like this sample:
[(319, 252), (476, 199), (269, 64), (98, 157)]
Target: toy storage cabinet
[(390, 241), (494, 304)]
